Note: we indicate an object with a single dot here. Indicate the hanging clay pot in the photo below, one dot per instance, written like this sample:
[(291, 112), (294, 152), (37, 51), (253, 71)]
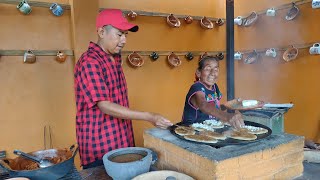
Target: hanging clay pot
[(135, 59), (173, 21), (206, 23), (174, 60), (61, 57), (290, 54), (132, 15), (188, 19)]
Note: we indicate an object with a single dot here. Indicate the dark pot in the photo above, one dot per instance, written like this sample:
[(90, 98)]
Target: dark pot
[(49, 173)]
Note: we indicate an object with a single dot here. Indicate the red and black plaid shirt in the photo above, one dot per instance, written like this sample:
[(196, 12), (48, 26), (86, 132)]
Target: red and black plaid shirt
[(98, 78)]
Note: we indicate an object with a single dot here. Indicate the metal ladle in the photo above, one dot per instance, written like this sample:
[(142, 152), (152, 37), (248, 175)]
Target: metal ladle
[(42, 162)]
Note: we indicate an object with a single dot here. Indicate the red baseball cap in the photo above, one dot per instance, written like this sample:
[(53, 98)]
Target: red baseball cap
[(115, 18)]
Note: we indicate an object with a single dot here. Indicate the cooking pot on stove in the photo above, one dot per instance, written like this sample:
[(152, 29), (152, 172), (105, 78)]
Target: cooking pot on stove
[(126, 163), (53, 172)]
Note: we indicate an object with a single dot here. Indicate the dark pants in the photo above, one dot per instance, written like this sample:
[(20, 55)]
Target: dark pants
[(93, 164)]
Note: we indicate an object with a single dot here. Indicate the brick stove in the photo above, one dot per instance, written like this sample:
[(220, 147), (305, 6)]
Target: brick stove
[(278, 156)]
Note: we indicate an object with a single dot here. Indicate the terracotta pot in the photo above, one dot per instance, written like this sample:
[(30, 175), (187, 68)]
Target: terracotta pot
[(132, 15), (174, 60), (253, 17), (188, 19), (135, 59), (61, 57), (206, 23), (290, 54), (173, 21)]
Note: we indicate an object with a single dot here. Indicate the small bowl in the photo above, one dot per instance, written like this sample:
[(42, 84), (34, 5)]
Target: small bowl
[(135, 59), (253, 17), (174, 60), (206, 23), (173, 21), (132, 15), (188, 19), (252, 57), (292, 13), (290, 54)]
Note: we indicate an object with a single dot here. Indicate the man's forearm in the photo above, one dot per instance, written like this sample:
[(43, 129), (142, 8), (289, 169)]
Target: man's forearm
[(122, 112)]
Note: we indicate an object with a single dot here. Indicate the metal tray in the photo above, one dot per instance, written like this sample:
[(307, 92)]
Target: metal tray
[(228, 141), (237, 105)]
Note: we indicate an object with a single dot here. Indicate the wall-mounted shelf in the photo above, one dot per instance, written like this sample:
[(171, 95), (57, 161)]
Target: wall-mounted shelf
[(36, 52), (284, 6), (284, 48), (166, 53), (159, 14), (35, 3)]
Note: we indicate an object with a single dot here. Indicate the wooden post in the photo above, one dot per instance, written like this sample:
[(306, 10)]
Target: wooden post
[(83, 19)]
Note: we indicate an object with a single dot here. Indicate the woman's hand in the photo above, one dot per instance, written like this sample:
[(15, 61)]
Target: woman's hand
[(160, 121), (237, 120)]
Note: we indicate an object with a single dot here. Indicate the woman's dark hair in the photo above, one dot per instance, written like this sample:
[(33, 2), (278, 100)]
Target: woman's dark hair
[(204, 59)]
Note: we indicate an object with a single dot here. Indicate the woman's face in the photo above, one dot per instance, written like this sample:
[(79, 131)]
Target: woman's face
[(209, 73)]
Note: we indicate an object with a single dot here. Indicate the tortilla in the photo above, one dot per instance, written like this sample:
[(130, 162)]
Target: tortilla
[(214, 123), (242, 134), (213, 134), (184, 130), (201, 138), (255, 130), (202, 127)]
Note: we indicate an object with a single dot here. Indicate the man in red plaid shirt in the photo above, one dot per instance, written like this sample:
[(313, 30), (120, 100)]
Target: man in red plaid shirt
[(103, 119)]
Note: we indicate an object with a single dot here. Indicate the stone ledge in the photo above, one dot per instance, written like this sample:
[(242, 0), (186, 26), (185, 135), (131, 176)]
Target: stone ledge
[(223, 153)]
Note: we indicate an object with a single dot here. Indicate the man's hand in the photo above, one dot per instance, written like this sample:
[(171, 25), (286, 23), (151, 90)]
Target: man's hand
[(237, 120), (160, 121)]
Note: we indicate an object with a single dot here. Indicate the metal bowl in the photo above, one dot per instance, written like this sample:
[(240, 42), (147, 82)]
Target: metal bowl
[(49, 173)]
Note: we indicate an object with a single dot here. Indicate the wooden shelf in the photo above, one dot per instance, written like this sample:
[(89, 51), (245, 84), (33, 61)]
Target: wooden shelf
[(284, 48), (283, 6), (166, 53), (35, 3), (36, 52), (160, 14)]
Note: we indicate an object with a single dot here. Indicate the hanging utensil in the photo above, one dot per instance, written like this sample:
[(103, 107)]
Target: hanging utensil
[(43, 163)]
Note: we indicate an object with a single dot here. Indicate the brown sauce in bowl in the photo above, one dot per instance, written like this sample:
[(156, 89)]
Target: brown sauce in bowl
[(125, 158)]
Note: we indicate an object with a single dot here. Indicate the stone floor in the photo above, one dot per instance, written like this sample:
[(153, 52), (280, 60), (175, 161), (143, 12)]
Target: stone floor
[(311, 171)]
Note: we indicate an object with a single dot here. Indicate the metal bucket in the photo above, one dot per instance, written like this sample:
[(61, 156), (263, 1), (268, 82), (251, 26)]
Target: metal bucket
[(49, 173)]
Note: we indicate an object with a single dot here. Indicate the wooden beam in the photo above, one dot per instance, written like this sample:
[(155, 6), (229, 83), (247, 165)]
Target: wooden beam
[(36, 52), (83, 18), (34, 3)]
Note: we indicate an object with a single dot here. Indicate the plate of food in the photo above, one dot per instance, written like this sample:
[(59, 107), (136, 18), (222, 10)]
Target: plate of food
[(247, 104), (218, 137)]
